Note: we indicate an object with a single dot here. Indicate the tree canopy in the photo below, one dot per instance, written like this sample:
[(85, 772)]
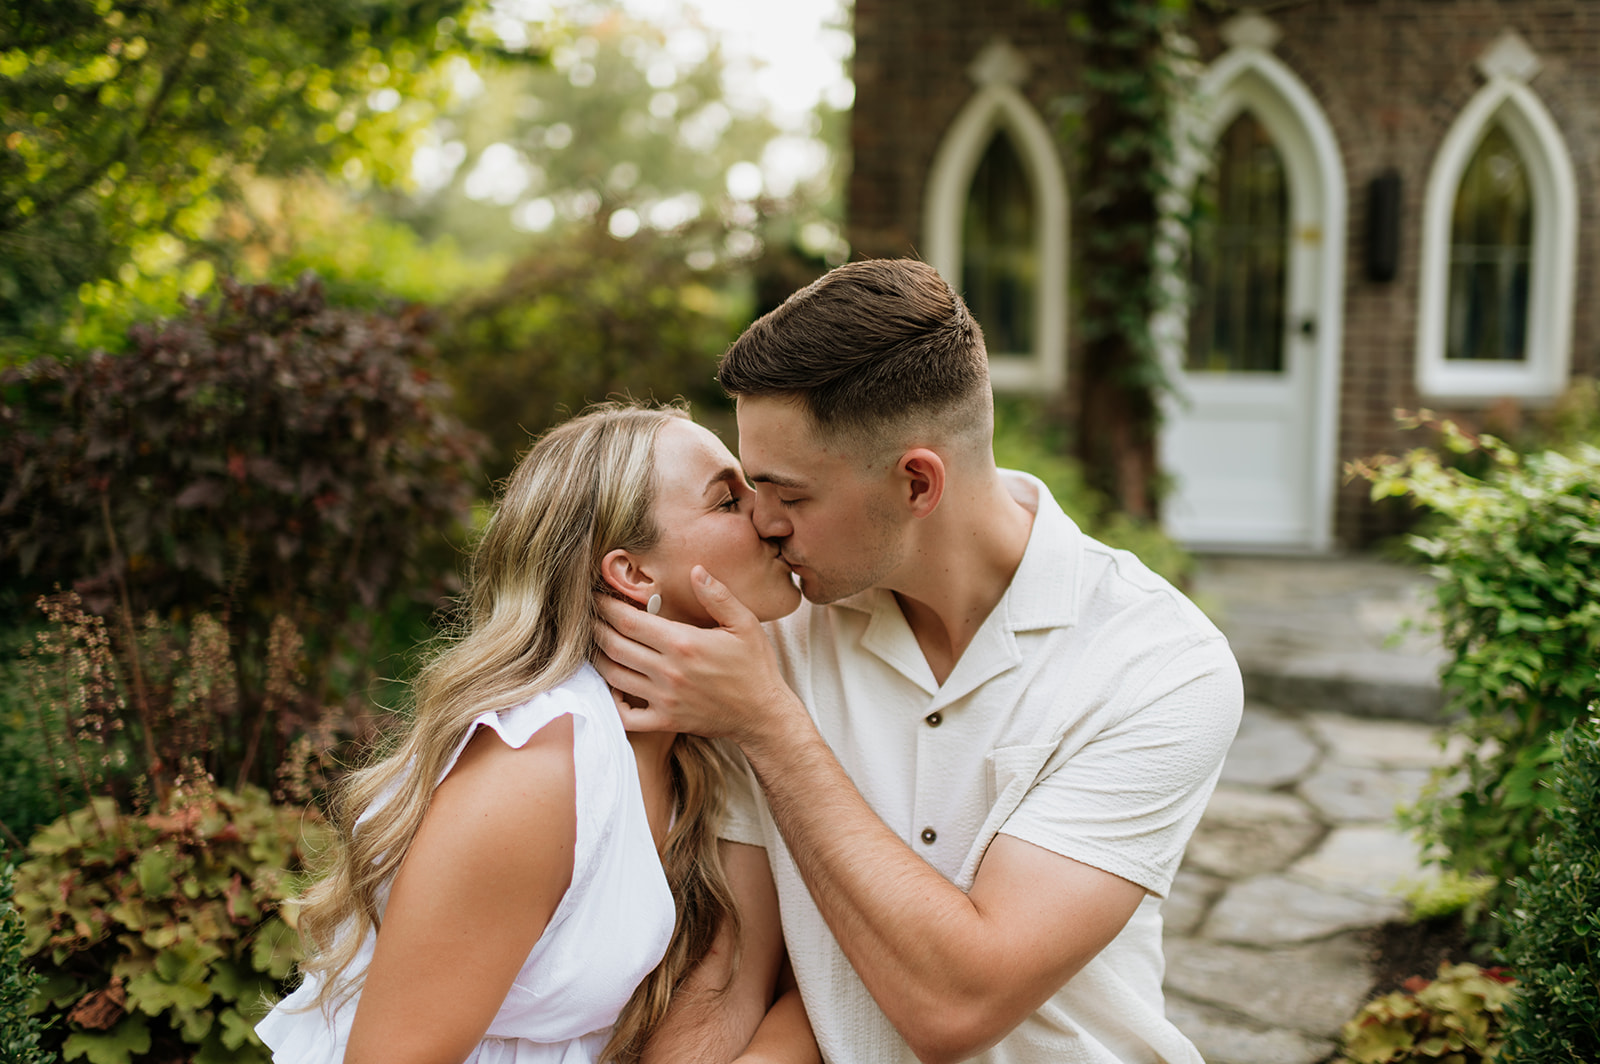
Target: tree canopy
[(128, 124)]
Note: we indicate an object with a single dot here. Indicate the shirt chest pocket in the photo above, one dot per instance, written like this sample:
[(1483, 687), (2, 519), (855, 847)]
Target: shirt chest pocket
[(1009, 772)]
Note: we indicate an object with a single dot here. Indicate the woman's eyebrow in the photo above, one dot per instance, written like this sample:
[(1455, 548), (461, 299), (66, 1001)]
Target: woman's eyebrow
[(721, 477)]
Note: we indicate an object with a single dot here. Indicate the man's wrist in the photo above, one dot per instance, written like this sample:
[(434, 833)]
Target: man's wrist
[(781, 731)]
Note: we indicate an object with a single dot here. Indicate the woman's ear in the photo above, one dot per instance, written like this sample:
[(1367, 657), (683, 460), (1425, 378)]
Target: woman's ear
[(623, 573)]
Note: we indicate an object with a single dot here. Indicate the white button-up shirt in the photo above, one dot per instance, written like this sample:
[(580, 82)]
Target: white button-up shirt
[(1089, 716)]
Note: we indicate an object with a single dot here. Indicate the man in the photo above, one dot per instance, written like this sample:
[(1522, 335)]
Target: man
[(1012, 729)]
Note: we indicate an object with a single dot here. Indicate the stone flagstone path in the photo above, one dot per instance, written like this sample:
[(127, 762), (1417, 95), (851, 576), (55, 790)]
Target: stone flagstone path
[(1295, 857)]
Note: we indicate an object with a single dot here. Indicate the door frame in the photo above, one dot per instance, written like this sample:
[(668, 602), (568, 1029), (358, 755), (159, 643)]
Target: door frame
[(1250, 77)]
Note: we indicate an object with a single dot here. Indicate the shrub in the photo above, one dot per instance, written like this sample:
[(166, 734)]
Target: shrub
[(585, 318), (265, 457), (1553, 935), (1517, 558), (1454, 1019), (20, 1031), (165, 936)]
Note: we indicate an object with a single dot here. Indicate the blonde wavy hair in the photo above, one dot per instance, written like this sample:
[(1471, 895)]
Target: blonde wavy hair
[(586, 488)]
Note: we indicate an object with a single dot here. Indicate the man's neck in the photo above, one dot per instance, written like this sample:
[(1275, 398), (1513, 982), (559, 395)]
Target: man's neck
[(959, 569)]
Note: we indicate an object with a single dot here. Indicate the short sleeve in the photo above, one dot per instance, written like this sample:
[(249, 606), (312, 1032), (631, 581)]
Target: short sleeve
[(742, 804), (1128, 800)]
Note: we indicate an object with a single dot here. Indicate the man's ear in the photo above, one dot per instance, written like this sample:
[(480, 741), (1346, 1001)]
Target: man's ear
[(924, 474), (626, 577)]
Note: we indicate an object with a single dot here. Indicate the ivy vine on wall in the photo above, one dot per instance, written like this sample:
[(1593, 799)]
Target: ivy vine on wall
[(1138, 68)]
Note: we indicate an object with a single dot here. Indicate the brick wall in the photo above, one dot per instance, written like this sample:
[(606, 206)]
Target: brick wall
[(1391, 76)]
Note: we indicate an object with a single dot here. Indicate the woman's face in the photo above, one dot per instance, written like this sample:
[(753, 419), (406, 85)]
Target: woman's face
[(703, 512)]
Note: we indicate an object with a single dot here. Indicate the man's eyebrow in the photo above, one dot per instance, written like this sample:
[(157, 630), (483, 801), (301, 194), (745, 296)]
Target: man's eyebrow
[(778, 480)]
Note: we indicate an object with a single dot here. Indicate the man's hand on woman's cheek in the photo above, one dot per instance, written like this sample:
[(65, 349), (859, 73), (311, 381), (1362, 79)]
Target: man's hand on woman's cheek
[(717, 682)]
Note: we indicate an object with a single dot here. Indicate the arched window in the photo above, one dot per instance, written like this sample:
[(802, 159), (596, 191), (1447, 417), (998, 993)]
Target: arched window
[(1240, 256), (999, 248), (1499, 246), (1491, 250), (995, 224)]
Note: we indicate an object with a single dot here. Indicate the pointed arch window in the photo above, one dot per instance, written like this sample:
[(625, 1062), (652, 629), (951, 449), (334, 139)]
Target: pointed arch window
[(1239, 258), (1499, 251), (995, 220), (1491, 253), (999, 248)]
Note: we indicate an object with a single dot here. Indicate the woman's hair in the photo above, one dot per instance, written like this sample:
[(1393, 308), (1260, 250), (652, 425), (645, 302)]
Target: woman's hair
[(586, 488)]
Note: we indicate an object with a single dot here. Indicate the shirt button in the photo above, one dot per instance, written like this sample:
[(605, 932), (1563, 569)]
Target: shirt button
[(928, 835), (934, 719)]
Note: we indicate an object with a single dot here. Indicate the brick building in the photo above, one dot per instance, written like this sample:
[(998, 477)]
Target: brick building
[(1402, 213)]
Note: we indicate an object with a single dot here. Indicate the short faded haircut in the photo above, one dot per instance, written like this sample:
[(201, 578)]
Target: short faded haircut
[(868, 345)]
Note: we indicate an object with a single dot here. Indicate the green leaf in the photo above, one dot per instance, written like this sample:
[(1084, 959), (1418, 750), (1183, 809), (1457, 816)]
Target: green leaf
[(119, 1045), (154, 870)]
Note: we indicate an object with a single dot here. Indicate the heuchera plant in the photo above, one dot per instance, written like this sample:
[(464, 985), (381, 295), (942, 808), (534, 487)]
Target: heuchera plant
[(1454, 1019), (166, 936)]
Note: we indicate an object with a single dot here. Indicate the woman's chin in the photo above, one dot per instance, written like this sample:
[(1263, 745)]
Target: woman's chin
[(781, 606)]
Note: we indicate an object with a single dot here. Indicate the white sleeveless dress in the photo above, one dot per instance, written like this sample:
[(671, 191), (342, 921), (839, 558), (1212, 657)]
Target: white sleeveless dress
[(609, 931)]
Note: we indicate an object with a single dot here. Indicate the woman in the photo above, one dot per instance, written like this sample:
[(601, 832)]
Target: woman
[(509, 874)]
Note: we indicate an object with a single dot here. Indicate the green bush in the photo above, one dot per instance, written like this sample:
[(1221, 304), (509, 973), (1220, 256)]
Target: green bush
[(1517, 556), (266, 457), (166, 936), (1553, 935), (20, 1030), (1025, 439), (1454, 1019), (585, 318)]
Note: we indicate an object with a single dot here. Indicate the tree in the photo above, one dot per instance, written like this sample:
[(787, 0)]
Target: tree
[(628, 130), (128, 124)]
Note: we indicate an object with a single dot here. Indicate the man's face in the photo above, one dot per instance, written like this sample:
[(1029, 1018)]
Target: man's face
[(835, 522)]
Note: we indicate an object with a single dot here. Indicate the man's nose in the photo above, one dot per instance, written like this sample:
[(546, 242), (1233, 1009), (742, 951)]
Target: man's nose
[(768, 516)]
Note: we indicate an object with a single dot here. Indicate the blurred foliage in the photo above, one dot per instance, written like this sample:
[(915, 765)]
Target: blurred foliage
[(159, 711), (628, 129), (274, 233), (1447, 893), (1457, 1018), (1517, 556), (589, 317), (20, 1031), (129, 126), (166, 936), (1553, 934), (265, 457), (1027, 438)]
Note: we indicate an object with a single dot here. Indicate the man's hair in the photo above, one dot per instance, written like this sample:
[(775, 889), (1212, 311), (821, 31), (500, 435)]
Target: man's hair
[(866, 344)]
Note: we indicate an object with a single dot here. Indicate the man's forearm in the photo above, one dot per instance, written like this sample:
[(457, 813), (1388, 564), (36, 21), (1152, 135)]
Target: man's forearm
[(915, 940)]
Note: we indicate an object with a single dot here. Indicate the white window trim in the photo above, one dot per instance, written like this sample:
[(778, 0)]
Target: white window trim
[(994, 106), (1552, 270)]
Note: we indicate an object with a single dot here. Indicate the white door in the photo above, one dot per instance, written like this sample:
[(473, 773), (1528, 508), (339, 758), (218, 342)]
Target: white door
[(1248, 446)]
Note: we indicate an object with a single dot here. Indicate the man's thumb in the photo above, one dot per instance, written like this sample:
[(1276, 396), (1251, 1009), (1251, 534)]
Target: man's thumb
[(726, 610)]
